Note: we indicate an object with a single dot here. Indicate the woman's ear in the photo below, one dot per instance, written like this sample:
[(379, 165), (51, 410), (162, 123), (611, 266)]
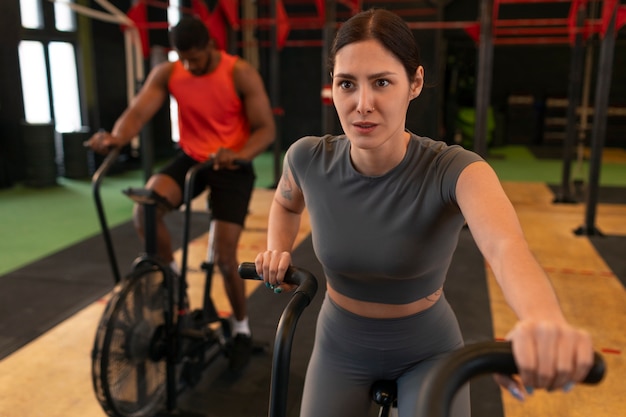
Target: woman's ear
[(418, 83)]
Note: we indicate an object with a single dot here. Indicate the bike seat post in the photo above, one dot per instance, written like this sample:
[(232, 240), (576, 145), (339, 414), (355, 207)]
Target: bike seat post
[(384, 393), (150, 228), (150, 201)]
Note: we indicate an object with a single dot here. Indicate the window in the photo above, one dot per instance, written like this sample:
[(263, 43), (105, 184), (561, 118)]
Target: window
[(32, 16), (34, 82), (64, 83), (64, 17), (173, 12), (48, 65)]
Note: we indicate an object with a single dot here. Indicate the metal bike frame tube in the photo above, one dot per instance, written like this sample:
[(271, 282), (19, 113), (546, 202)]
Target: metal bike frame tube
[(171, 333), (307, 288), (106, 234), (282, 354), (208, 307), (190, 179), (150, 228)]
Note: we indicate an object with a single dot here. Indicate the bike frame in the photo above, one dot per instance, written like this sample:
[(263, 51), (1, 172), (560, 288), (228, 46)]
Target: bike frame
[(172, 319)]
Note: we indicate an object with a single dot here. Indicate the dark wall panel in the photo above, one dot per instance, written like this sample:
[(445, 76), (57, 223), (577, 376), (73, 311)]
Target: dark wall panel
[(10, 95)]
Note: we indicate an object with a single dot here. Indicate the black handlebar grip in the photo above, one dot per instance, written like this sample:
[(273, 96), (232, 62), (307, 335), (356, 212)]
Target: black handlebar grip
[(460, 366), (242, 162), (597, 371), (306, 282), (247, 270), (239, 162)]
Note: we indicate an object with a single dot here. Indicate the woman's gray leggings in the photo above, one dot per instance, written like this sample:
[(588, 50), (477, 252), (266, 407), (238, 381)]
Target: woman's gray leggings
[(351, 352)]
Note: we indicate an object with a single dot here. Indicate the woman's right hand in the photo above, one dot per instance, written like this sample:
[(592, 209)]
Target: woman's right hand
[(272, 266)]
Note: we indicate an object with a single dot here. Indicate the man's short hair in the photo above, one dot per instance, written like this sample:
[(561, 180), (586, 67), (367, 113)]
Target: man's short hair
[(188, 34)]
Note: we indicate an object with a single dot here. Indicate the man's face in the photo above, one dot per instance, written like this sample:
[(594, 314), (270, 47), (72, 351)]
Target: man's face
[(196, 60)]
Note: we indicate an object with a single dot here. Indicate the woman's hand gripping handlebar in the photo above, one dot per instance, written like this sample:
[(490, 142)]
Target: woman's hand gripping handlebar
[(304, 281), (304, 293), (460, 366)]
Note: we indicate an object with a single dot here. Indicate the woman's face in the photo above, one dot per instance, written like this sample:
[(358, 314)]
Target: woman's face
[(371, 93)]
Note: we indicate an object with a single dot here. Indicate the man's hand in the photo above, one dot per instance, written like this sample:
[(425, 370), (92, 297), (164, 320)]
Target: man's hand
[(224, 159), (102, 142)]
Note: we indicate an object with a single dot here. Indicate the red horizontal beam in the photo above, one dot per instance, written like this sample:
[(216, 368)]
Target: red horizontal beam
[(304, 43), (532, 41), (441, 25), (531, 22), (531, 1), (404, 13), (288, 43), (294, 22), (519, 41), (419, 11), (530, 31), (152, 25)]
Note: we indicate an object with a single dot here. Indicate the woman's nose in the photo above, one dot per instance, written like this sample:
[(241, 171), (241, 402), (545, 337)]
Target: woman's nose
[(365, 104)]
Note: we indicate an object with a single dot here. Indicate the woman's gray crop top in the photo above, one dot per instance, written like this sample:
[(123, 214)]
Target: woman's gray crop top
[(386, 239)]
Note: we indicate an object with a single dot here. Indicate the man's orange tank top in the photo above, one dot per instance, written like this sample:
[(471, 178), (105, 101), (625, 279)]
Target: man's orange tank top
[(210, 113)]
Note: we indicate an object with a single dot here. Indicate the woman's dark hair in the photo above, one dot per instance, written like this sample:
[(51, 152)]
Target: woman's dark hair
[(387, 28), (188, 34)]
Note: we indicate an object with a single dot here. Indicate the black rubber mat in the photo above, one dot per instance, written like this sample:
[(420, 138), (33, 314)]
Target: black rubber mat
[(35, 298), (40, 295), (611, 249), (222, 394)]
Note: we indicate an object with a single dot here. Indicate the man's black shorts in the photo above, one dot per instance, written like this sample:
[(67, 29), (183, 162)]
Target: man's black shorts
[(230, 190)]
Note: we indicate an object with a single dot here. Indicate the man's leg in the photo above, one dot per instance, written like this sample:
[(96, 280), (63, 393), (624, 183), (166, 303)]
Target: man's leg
[(168, 188), (226, 241)]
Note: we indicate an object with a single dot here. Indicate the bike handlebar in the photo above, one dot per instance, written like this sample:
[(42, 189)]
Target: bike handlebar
[(440, 385), (306, 282), (307, 287), (460, 366), (101, 172)]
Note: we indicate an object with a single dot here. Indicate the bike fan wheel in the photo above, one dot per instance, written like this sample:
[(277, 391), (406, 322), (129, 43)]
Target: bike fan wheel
[(129, 369)]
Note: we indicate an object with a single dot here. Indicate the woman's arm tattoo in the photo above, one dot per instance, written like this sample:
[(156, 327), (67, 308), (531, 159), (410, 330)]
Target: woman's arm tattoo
[(286, 188)]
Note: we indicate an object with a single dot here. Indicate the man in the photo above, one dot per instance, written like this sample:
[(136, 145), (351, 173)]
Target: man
[(224, 114)]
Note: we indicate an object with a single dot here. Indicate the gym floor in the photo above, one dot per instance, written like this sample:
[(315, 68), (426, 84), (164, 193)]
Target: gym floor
[(51, 375)]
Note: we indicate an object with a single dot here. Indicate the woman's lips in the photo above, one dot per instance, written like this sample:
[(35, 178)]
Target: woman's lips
[(364, 127)]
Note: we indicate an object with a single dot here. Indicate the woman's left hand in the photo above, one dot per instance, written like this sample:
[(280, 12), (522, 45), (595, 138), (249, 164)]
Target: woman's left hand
[(551, 355)]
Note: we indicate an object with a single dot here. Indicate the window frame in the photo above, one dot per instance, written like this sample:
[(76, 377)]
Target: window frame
[(47, 34)]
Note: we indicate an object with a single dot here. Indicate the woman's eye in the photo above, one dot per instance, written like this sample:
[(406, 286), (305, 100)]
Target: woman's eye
[(382, 83), (345, 84)]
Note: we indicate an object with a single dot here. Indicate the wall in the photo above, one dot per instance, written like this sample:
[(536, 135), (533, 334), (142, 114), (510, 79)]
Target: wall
[(538, 70), (11, 106)]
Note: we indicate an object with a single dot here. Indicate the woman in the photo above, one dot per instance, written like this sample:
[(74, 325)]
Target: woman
[(386, 209)]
